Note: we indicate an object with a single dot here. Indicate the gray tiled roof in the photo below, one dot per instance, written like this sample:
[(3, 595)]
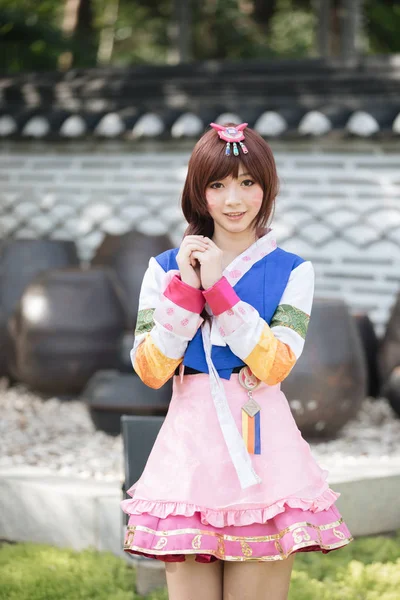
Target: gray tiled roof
[(280, 99)]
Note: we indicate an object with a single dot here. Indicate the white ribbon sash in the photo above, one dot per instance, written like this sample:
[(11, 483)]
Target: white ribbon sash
[(234, 441)]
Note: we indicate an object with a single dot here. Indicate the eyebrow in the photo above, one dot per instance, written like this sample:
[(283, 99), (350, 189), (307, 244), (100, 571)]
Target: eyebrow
[(243, 174)]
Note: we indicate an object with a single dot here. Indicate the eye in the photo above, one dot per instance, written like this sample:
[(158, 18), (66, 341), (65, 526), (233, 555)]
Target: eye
[(247, 182), (216, 186)]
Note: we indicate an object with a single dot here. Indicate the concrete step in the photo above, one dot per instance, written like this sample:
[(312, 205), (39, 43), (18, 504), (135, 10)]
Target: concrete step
[(40, 506)]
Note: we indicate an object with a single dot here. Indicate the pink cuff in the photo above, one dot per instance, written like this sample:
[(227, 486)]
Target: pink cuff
[(221, 296), (184, 295)]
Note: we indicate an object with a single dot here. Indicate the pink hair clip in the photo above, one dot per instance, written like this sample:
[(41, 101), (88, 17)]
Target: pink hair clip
[(231, 134)]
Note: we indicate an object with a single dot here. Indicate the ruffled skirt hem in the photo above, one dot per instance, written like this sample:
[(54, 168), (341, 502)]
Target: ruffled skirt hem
[(227, 517), (173, 537)]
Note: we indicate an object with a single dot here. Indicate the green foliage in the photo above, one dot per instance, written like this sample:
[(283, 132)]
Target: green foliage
[(367, 569), (38, 572), (354, 582), (223, 31), (382, 26), (141, 31), (26, 43), (292, 30), (31, 37), (31, 40)]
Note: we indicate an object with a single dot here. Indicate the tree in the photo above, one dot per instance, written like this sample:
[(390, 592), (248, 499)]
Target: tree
[(39, 34), (382, 25), (78, 26)]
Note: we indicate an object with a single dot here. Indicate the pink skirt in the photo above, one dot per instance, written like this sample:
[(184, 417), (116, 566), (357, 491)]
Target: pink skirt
[(189, 501), (292, 531)]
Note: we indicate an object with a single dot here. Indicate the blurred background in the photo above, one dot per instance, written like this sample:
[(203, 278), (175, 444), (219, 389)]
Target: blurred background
[(48, 35), (101, 103)]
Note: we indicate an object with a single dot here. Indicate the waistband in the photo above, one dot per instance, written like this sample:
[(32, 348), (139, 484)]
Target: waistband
[(190, 371)]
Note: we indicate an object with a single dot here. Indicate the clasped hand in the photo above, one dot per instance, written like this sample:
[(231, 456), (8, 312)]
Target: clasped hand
[(200, 261)]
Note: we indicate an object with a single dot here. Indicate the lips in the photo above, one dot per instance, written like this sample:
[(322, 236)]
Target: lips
[(234, 216)]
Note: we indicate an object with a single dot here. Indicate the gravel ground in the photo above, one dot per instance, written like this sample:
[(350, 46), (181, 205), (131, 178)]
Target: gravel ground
[(60, 436)]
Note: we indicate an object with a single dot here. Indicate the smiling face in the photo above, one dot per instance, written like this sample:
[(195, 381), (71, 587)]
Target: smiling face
[(234, 203), (217, 185)]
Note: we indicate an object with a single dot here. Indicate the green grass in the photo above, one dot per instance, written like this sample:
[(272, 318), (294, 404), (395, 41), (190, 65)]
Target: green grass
[(367, 569)]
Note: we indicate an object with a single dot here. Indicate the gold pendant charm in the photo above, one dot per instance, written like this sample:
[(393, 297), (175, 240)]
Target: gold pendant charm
[(251, 407), (251, 412), (250, 382)]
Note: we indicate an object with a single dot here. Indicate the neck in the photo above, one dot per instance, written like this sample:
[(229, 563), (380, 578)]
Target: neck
[(233, 243)]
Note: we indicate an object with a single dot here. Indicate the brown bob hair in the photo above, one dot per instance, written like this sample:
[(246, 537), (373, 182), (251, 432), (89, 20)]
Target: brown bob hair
[(208, 163)]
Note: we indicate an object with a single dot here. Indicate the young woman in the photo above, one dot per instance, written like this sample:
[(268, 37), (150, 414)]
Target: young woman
[(230, 491)]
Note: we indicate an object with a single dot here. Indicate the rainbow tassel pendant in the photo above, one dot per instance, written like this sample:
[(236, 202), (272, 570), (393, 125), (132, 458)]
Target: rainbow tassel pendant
[(251, 430)]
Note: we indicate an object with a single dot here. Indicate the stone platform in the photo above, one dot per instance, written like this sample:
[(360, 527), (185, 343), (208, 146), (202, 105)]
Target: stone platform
[(40, 506)]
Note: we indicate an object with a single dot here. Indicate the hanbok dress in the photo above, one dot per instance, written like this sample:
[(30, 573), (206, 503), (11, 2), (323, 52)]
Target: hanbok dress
[(219, 483)]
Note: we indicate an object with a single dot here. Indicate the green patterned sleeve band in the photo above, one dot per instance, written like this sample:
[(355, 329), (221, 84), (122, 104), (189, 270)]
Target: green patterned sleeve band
[(291, 317), (145, 321)]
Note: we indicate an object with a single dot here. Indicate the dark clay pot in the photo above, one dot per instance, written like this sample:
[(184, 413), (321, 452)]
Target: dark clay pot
[(391, 390), (129, 256), (20, 262), (110, 394), (125, 363), (68, 325), (329, 382), (4, 346), (370, 344), (389, 349)]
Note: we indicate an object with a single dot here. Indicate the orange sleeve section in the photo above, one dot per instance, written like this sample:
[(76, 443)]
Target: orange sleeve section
[(271, 360), (152, 366), (285, 359)]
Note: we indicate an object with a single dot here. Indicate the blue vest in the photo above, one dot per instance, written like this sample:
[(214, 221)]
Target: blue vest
[(262, 287)]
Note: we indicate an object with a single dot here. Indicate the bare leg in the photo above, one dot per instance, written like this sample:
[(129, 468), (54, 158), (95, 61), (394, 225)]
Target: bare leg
[(257, 580), (191, 580)]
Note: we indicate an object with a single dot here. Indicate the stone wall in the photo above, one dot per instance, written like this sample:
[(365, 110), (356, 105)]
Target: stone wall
[(339, 205)]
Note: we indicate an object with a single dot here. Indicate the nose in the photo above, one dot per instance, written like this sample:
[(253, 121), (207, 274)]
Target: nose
[(232, 195)]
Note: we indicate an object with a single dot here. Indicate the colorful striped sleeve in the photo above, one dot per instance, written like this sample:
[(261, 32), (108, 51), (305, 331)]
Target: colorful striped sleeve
[(168, 318), (271, 351)]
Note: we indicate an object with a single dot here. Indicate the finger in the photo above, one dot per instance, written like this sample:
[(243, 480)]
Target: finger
[(204, 250), (191, 247), (200, 256), (195, 238), (210, 243), (209, 254)]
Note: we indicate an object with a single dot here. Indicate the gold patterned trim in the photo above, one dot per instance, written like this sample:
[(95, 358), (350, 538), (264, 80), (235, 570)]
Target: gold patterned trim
[(246, 550), (339, 534), (291, 317), (196, 542), (162, 542), (144, 321), (220, 552), (233, 538), (129, 538)]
